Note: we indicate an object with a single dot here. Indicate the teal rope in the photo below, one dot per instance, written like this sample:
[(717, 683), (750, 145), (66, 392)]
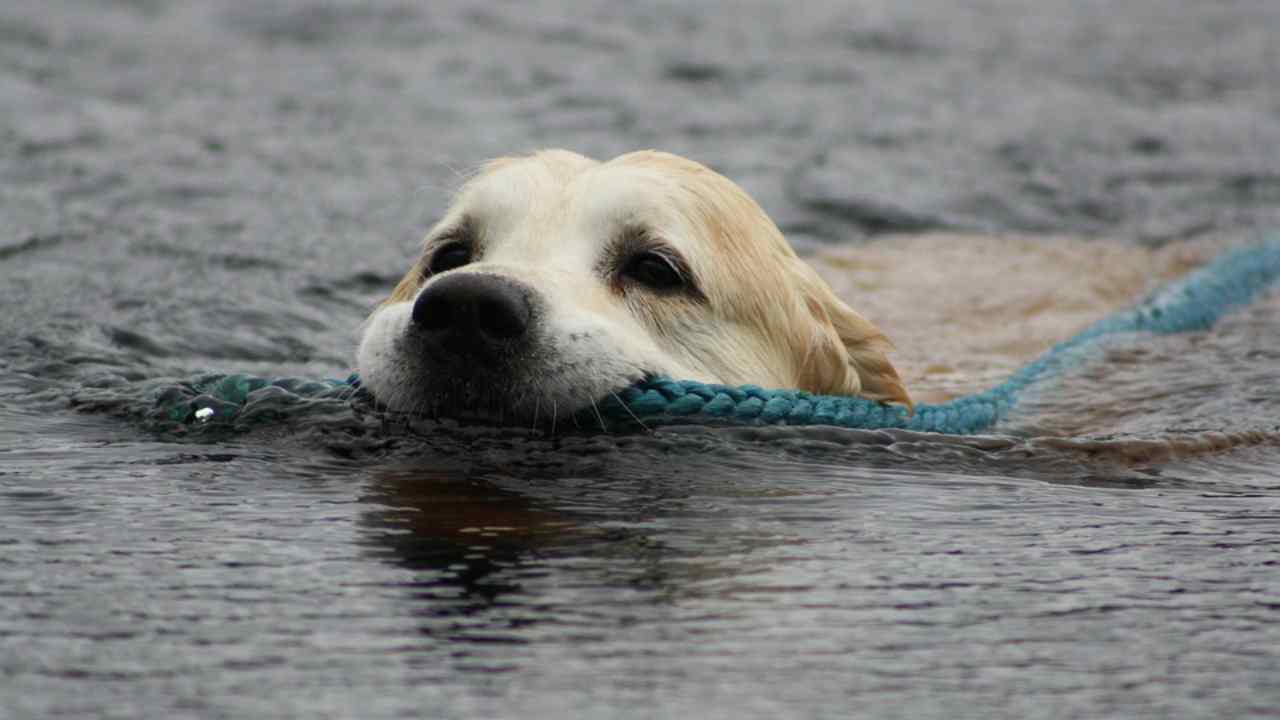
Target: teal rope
[(223, 399), (1194, 302)]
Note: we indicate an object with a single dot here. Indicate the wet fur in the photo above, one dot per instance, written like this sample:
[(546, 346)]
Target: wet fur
[(762, 315)]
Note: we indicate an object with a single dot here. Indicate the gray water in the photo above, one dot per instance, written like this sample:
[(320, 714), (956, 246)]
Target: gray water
[(232, 186)]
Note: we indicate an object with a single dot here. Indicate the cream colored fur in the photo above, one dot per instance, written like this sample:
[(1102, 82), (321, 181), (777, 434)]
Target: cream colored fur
[(546, 220)]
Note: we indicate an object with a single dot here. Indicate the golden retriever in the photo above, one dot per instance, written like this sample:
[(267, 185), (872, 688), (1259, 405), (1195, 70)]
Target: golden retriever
[(554, 280)]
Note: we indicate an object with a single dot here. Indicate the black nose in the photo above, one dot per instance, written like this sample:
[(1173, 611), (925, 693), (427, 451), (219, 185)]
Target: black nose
[(470, 311)]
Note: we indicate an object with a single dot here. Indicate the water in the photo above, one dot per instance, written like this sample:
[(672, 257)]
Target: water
[(227, 186)]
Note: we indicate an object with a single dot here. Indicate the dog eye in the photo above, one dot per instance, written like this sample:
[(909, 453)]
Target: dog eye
[(654, 271), (451, 256)]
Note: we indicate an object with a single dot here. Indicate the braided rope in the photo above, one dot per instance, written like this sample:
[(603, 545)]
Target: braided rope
[(1194, 302)]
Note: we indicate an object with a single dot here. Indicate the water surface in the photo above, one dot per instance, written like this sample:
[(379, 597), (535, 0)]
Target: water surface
[(189, 186)]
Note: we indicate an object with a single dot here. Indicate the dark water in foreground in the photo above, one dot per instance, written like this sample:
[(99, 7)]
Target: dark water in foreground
[(230, 186)]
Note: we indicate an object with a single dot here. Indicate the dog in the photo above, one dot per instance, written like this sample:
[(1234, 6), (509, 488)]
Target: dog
[(553, 280)]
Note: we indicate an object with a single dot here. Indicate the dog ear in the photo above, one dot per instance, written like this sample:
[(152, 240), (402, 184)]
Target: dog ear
[(846, 352)]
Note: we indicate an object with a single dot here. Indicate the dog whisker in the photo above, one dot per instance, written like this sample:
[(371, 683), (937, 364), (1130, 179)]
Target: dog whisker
[(599, 417), (629, 412)]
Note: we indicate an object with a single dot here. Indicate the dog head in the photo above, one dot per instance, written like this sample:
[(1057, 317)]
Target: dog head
[(554, 280)]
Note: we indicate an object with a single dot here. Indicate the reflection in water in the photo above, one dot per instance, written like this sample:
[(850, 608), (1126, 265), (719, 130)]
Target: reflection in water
[(1222, 381), (966, 311), (498, 546), (460, 532), (643, 518), (710, 558)]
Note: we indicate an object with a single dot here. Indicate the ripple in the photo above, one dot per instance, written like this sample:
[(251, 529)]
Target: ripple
[(202, 185)]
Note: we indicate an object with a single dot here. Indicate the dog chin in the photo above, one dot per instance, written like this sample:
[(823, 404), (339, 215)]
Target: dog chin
[(555, 380), (528, 397)]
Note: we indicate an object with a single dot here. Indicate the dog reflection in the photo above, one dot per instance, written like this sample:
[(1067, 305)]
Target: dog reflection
[(460, 530)]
